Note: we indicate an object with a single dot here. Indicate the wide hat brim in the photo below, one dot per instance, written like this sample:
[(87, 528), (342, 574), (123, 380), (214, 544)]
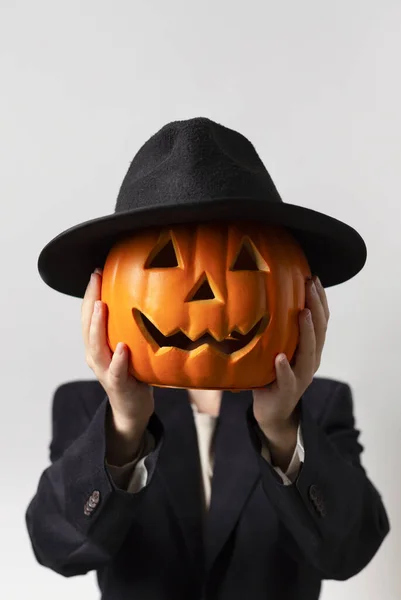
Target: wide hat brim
[(335, 251)]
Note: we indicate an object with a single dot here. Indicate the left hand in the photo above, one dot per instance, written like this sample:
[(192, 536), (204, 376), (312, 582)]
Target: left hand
[(274, 407)]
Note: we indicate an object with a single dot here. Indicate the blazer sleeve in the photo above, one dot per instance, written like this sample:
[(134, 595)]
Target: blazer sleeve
[(79, 517), (332, 516)]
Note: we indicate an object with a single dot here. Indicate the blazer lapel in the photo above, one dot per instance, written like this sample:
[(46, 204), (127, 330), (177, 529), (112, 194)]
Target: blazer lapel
[(236, 471), (179, 466)]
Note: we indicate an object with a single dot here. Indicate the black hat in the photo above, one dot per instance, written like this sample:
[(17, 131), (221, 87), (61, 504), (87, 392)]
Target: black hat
[(198, 171)]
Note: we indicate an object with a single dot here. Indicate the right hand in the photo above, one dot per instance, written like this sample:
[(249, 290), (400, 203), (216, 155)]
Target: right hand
[(131, 401)]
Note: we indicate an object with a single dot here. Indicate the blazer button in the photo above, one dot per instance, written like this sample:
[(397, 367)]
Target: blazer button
[(91, 503), (95, 496), (316, 496), (314, 492)]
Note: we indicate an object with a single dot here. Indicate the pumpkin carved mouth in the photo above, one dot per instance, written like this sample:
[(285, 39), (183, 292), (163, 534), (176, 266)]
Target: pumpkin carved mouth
[(234, 342)]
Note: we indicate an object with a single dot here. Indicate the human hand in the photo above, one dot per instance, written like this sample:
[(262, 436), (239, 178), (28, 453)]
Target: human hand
[(131, 401), (274, 407)]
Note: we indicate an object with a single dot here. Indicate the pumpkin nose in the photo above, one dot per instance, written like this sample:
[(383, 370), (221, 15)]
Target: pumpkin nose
[(201, 291)]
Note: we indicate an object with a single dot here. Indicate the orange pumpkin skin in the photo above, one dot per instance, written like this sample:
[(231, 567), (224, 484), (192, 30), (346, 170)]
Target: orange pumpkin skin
[(270, 290)]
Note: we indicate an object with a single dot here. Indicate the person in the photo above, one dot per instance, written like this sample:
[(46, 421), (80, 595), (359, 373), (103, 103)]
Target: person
[(205, 494)]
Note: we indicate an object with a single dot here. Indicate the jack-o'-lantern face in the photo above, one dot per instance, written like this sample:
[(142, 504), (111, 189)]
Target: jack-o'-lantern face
[(205, 306)]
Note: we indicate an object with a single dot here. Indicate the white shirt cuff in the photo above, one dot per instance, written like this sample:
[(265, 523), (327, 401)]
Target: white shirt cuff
[(136, 467), (298, 457)]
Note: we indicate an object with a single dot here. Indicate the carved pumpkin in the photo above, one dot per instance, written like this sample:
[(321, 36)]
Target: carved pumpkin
[(205, 306)]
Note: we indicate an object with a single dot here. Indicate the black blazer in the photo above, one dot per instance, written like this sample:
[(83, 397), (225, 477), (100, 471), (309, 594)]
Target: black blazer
[(262, 540)]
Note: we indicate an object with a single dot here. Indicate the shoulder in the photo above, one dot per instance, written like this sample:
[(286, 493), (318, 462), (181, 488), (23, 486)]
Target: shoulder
[(327, 386), (325, 393), (83, 387), (74, 405), (87, 393)]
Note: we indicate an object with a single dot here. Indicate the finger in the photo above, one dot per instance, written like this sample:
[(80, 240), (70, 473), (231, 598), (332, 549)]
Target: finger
[(98, 349), (118, 369), (285, 378), (322, 295), (305, 360), (313, 302), (92, 294)]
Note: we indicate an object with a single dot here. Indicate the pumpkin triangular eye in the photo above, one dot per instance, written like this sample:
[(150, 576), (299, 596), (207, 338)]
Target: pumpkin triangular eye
[(163, 256), (248, 258), (202, 291)]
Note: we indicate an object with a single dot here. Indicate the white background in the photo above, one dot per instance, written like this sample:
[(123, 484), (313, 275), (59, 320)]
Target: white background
[(316, 87)]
